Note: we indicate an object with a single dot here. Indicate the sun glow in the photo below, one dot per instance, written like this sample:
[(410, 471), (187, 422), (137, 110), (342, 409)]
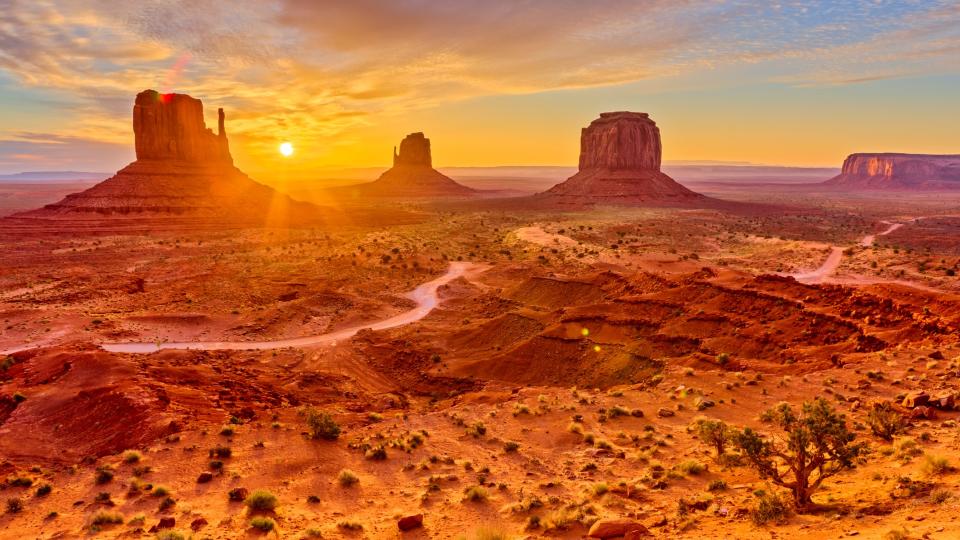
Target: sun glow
[(286, 149)]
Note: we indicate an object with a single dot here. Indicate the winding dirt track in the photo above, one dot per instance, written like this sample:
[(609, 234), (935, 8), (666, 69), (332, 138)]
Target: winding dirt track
[(425, 296)]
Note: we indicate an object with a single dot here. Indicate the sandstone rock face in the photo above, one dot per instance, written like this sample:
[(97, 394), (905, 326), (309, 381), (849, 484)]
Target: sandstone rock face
[(414, 150), (182, 169), (898, 171), (171, 127), (621, 141), (613, 528), (412, 176), (620, 155)]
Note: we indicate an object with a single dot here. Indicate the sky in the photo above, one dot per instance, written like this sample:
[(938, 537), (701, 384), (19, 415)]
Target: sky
[(491, 82)]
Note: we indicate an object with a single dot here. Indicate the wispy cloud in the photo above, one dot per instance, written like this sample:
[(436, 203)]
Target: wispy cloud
[(320, 68)]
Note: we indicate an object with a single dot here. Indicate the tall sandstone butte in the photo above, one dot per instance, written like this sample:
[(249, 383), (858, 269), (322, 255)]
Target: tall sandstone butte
[(620, 157), (182, 169), (888, 171), (412, 176)]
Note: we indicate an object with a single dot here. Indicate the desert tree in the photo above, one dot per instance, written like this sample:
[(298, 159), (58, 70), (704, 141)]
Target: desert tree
[(815, 445), (716, 434)]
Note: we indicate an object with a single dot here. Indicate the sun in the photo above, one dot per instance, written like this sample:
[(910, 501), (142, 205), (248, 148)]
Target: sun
[(286, 149)]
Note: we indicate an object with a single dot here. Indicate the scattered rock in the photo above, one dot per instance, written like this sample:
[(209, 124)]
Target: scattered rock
[(612, 528), (164, 523), (916, 398), (665, 413), (239, 494), (204, 477), (198, 524), (407, 523)]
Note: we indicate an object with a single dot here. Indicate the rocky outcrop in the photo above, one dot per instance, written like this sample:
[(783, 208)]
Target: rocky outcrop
[(182, 169), (414, 150), (411, 177), (621, 141), (170, 127), (620, 155), (898, 171)]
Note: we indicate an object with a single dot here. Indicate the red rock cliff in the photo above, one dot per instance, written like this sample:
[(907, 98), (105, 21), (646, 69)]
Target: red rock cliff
[(621, 141), (898, 171), (620, 165), (171, 127), (414, 150)]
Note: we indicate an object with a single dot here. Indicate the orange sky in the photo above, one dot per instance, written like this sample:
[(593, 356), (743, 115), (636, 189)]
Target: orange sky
[(490, 82)]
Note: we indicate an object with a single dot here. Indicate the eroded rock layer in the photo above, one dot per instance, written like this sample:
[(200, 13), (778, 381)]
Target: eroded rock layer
[(898, 171), (620, 155), (182, 169)]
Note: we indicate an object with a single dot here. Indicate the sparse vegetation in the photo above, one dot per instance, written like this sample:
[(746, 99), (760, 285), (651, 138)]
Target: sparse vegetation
[(261, 501), (264, 524), (885, 422), (322, 425), (347, 478), (817, 445)]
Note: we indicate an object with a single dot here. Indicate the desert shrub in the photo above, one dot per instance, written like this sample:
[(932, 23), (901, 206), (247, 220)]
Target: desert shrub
[(170, 535), (690, 467), (511, 446), (770, 507), (131, 457), (322, 425), (896, 534), (936, 465), (161, 491), (103, 475), (20, 481), (264, 524), (227, 431), (717, 485), (715, 433), (478, 429), (347, 478), (475, 494), (261, 500), (940, 496), (44, 490), (221, 452), (816, 446), (885, 422), (377, 453), (350, 525), (490, 533), (14, 505), (106, 518), (167, 503)]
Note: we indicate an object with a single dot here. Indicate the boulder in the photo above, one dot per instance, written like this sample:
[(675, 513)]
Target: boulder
[(916, 398), (204, 477), (164, 523), (613, 528), (238, 494), (198, 524), (410, 522), (665, 413), (944, 402)]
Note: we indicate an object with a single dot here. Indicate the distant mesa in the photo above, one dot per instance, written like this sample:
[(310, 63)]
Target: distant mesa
[(620, 157), (412, 176), (898, 172), (182, 169)]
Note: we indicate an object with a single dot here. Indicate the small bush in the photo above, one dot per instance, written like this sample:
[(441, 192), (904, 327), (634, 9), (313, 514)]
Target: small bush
[(44, 490), (261, 500), (170, 535), (690, 468), (322, 425), (897, 534), (131, 457), (717, 485), (475, 494), (107, 518), (161, 491), (347, 478), (885, 422), (377, 453), (103, 475), (264, 524), (770, 507), (936, 465), (511, 446), (940, 496), (14, 506), (350, 525)]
